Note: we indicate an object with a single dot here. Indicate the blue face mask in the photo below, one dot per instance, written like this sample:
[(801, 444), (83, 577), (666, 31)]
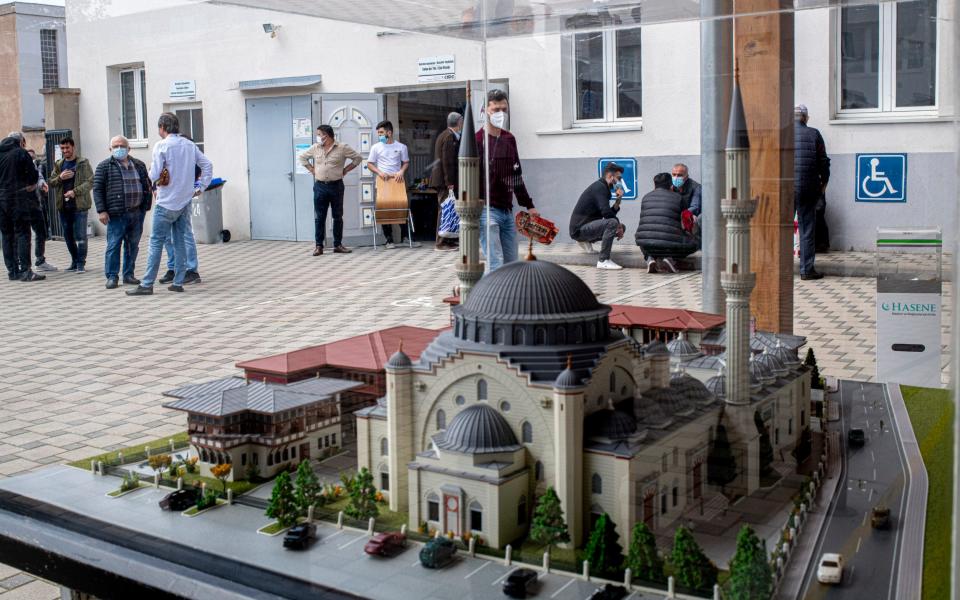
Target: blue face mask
[(383, 139), (678, 182), (120, 153)]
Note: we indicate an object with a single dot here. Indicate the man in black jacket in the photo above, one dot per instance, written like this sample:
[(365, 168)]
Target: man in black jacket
[(811, 172), (18, 181), (594, 220), (660, 233), (122, 194)]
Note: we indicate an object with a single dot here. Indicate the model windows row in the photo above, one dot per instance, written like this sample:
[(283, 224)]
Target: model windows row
[(326, 441), (214, 457), (280, 457), (520, 335)]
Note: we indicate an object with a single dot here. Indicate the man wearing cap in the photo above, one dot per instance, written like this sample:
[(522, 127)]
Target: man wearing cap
[(811, 172), (594, 220)]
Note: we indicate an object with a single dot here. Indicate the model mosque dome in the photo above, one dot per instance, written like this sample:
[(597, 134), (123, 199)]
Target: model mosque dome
[(786, 356), (478, 429), (682, 349), (772, 364), (568, 378), (717, 385), (399, 360), (611, 424), (656, 348), (692, 388)]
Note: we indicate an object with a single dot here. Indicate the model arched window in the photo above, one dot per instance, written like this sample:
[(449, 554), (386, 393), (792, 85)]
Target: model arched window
[(561, 335), (286, 454), (613, 383), (460, 400), (276, 457), (522, 510), (269, 459), (526, 431), (518, 337), (476, 516), (441, 419), (578, 334), (482, 389), (498, 335), (433, 507), (540, 337), (384, 447), (481, 333), (384, 478), (538, 471), (596, 484)]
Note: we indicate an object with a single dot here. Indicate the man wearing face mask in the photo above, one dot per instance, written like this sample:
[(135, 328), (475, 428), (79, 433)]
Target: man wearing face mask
[(594, 220), (122, 195), (446, 170), (389, 159), (506, 180), (326, 161)]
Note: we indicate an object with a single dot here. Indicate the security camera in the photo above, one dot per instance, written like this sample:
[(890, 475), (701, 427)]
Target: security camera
[(271, 29)]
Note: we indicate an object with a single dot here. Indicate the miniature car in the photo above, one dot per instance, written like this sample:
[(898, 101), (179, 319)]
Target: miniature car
[(609, 592), (830, 569), (179, 500), (856, 437), (299, 536), (880, 517), (517, 584), (386, 544), (437, 553)]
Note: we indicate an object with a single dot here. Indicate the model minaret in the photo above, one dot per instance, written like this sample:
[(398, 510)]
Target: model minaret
[(737, 280), (469, 207)]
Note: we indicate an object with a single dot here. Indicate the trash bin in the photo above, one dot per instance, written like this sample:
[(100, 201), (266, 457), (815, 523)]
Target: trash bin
[(208, 216)]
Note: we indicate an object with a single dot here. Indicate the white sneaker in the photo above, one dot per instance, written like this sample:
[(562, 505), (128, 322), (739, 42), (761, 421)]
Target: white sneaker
[(45, 266), (407, 243), (652, 266), (390, 245), (669, 265), (608, 264), (587, 247)]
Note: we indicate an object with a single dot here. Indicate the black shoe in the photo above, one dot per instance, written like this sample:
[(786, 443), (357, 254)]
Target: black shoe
[(140, 291), (167, 277), (131, 281), (175, 288), (191, 277), (811, 275), (13, 276), (112, 283), (31, 276), (72, 268)]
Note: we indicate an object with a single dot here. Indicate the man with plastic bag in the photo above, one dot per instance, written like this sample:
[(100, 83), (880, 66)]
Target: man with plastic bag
[(445, 179)]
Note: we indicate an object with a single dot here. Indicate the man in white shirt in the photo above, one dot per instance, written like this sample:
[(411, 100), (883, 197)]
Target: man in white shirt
[(172, 171), (389, 159)]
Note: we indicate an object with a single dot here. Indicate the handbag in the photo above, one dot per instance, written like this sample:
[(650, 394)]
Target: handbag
[(449, 219)]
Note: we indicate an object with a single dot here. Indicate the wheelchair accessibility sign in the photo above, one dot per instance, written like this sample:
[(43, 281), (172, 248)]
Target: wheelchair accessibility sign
[(881, 178), (629, 175)]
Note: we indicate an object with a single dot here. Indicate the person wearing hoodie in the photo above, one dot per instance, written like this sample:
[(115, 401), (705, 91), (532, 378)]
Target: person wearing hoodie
[(18, 182), (72, 181)]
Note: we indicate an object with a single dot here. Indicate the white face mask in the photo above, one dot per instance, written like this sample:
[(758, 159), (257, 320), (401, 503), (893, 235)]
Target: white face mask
[(498, 119)]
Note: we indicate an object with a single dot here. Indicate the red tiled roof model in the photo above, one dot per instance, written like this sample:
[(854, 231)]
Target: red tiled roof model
[(626, 316)]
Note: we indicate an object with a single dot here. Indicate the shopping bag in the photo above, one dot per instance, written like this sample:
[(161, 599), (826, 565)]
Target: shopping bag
[(449, 219)]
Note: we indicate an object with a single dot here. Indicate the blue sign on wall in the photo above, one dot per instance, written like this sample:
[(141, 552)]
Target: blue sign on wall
[(629, 174), (881, 178)]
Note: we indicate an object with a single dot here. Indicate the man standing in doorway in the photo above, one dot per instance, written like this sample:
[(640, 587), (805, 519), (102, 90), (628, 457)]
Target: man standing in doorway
[(594, 220), (389, 159), (18, 179), (172, 169), (506, 180), (446, 170), (72, 181), (811, 172), (325, 160), (122, 194)]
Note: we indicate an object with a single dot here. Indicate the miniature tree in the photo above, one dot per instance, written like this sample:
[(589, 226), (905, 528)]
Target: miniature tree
[(721, 464), (159, 462), (691, 567), (766, 448), (603, 551), (221, 472), (363, 501), (811, 361), (282, 506), (548, 526), (750, 572), (308, 487), (643, 560)]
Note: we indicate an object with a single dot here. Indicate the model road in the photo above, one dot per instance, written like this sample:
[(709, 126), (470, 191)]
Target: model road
[(872, 475)]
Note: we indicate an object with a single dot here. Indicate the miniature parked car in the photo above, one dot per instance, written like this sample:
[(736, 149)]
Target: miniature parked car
[(609, 592), (437, 553), (300, 536), (386, 544), (179, 500), (856, 438), (518, 583), (830, 569), (880, 517)]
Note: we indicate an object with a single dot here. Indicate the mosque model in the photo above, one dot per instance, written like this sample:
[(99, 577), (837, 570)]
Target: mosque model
[(531, 388)]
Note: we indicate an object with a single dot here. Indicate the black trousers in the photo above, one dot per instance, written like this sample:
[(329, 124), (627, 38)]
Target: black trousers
[(15, 231), (327, 196), (38, 221), (822, 233)]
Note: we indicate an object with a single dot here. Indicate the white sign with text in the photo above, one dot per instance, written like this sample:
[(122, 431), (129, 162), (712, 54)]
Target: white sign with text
[(437, 68)]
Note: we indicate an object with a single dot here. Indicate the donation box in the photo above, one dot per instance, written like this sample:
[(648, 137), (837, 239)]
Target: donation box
[(909, 276)]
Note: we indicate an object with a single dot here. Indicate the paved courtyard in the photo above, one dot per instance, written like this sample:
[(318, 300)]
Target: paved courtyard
[(84, 367)]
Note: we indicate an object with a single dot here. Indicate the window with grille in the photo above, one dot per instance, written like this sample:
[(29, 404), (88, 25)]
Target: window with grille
[(191, 124), (48, 58)]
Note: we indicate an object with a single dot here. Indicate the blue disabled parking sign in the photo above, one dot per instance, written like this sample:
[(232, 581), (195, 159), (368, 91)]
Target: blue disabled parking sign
[(881, 178), (629, 174)]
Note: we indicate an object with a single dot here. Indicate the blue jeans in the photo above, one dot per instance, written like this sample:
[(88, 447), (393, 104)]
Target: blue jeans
[(807, 225), (191, 243), (74, 225), (166, 222), (123, 231), (503, 238)]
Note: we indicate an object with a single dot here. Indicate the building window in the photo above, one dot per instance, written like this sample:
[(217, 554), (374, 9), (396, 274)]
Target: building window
[(517, 337), (384, 447), (482, 389), (663, 464), (596, 484), (433, 508), (191, 124), (526, 431), (803, 417), (540, 337), (133, 104), (561, 335), (286, 454), (498, 335), (333, 439), (776, 436), (676, 495), (293, 452), (522, 510), (888, 57), (319, 444), (613, 382), (460, 400), (256, 458), (607, 70), (476, 516), (49, 59), (789, 426), (441, 419), (243, 459), (269, 459), (538, 471), (326, 441), (676, 456), (385, 482), (663, 502), (505, 406)]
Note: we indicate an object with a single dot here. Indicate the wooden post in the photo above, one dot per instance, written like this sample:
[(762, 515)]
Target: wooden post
[(764, 52)]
